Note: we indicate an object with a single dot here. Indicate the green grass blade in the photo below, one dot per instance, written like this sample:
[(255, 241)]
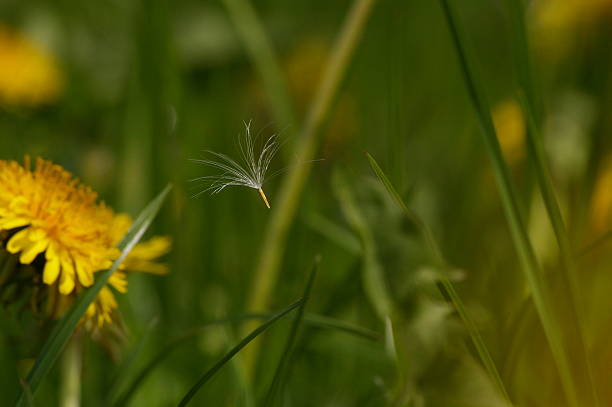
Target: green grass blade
[(229, 355), (530, 266), (313, 320), (535, 147), (173, 344), (273, 246), (276, 385), (323, 322), (68, 323), (582, 365), (261, 52), (436, 254)]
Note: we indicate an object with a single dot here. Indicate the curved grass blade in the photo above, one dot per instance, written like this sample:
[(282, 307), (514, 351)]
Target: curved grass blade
[(313, 320), (295, 326), (441, 263), (323, 322), (127, 395), (229, 355), (63, 330), (541, 295)]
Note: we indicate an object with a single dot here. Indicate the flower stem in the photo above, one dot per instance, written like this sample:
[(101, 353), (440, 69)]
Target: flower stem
[(72, 362)]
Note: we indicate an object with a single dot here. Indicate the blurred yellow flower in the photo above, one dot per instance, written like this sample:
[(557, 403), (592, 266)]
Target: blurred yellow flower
[(601, 203), (510, 128), (28, 76), (56, 225), (557, 22)]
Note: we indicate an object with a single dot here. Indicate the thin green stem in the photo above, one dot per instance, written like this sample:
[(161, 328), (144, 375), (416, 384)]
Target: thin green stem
[(530, 266), (72, 362), (266, 273), (261, 52)]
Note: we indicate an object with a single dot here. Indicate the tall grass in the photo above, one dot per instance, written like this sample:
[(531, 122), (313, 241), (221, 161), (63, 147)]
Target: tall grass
[(539, 290)]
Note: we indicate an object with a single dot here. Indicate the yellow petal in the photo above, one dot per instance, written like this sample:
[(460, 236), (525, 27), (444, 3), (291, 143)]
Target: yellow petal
[(12, 223), (18, 242), (51, 271), (34, 249), (67, 274), (85, 276), (118, 281), (66, 283)]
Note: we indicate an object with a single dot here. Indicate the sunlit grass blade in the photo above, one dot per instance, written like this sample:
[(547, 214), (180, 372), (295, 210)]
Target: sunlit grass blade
[(537, 155), (541, 295), (65, 327), (273, 246), (582, 365), (437, 257), (277, 381), (229, 355)]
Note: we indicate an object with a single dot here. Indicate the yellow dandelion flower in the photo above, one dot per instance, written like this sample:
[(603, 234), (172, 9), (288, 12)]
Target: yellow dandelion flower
[(601, 204), (559, 24), (48, 211), (49, 221), (28, 76)]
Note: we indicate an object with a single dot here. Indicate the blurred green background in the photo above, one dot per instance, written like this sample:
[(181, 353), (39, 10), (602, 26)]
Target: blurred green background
[(141, 87)]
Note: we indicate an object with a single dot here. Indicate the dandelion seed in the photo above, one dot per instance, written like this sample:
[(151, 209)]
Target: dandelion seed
[(249, 172)]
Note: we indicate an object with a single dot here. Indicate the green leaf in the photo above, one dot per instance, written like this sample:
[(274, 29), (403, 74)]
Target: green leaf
[(295, 326), (66, 326), (436, 253), (210, 373)]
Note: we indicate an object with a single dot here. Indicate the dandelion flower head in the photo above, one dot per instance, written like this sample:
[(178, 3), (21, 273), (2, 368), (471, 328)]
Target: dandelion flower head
[(28, 76), (54, 223)]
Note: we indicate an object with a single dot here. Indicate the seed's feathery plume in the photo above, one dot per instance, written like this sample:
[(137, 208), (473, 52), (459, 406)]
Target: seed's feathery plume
[(249, 172)]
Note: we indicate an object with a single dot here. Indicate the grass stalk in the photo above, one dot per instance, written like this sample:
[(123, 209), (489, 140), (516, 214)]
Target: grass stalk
[(442, 265), (529, 263), (537, 155), (210, 373), (261, 52), (72, 362), (266, 273), (278, 380)]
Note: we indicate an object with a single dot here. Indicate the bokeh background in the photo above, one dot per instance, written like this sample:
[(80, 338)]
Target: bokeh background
[(124, 93)]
